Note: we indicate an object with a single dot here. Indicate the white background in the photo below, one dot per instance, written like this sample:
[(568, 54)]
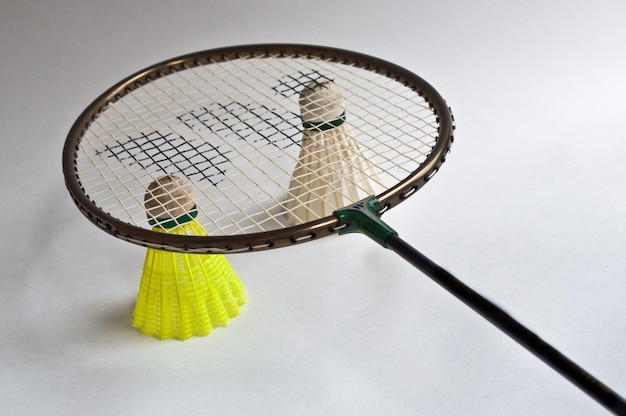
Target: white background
[(529, 210)]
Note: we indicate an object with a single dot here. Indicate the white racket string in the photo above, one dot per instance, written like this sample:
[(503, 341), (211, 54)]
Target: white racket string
[(233, 127)]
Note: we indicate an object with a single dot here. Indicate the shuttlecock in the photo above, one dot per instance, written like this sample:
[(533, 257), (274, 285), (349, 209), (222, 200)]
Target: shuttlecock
[(332, 171), (182, 295)]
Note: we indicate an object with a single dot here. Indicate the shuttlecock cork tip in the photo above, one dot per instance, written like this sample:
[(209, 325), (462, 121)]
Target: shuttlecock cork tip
[(321, 102), (168, 197)]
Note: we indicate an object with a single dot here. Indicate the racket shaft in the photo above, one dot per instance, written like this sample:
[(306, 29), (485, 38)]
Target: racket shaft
[(529, 340)]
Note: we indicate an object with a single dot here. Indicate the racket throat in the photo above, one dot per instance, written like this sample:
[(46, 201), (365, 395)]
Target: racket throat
[(362, 217)]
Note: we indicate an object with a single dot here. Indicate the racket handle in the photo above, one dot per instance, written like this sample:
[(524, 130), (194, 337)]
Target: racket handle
[(498, 317)]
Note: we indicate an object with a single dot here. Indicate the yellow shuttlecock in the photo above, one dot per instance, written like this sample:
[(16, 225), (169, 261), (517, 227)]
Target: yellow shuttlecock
[(332, 170), (182, 295)]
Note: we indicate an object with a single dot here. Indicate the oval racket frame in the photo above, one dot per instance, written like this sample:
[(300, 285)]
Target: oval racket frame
[(266, 239)]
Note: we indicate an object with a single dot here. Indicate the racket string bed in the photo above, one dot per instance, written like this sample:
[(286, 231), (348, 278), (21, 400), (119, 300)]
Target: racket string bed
[(200, 122)]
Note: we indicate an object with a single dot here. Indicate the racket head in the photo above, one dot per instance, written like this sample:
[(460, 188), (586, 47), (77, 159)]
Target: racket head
[(86, 153)]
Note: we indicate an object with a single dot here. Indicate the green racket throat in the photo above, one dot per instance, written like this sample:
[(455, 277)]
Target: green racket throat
[(363, 218)]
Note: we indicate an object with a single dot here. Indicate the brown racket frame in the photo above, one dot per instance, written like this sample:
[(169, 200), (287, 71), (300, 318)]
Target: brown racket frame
[(266, 239)]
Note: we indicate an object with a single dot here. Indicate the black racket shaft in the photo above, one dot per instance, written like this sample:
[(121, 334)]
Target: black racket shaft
[(363, 217), (529, 340)]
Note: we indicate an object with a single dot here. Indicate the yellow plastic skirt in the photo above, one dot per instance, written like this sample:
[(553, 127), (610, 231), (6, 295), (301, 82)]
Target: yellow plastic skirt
[(184, 295)]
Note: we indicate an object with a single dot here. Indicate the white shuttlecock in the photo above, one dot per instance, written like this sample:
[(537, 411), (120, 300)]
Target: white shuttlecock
[(332, 172)]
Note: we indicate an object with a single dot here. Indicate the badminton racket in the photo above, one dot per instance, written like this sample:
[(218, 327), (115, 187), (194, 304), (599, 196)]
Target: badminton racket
[(231, 122)]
